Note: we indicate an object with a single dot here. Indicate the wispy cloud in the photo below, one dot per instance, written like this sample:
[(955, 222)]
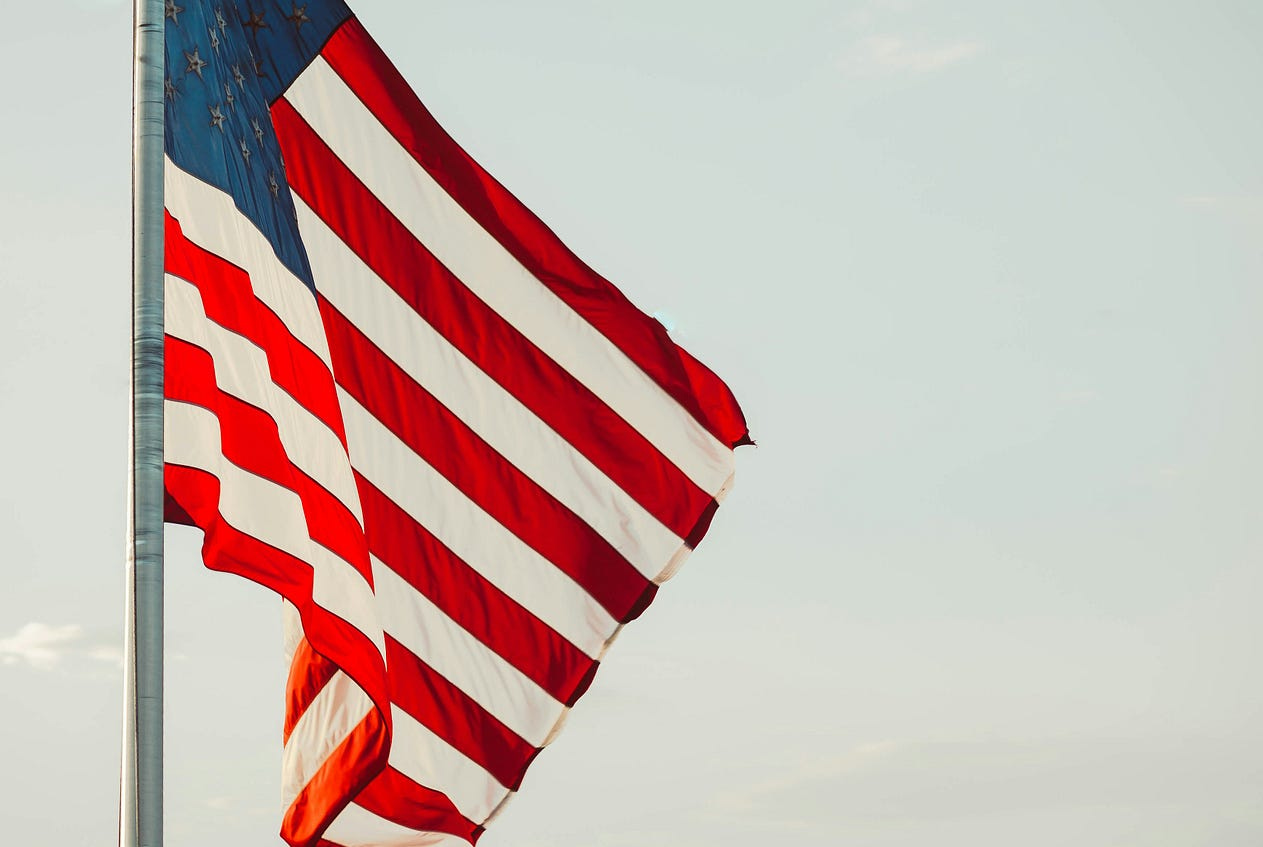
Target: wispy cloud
[(39, 645), (112, 653), (884, 55), (45, 646)]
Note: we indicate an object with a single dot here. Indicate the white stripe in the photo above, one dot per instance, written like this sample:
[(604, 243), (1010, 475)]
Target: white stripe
[(270, 513), (422, 756), (209, 218), (241, 369), (497, 416), (418, 624), (330, 717), (491, 272), (292, 633), (473, 535), (358, 827)]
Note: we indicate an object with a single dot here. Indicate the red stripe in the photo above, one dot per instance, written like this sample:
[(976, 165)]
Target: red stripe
[(309, 673), (716, 400), (229, 300), (566, 405), (367, 71), (227, 549), (401, 800), (224, 548), (454, 716), (341, 776), (454, 450), (250, 440), (477, 605)]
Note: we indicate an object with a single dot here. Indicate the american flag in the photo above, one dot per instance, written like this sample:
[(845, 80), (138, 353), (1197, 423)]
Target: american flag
[(393, 396)]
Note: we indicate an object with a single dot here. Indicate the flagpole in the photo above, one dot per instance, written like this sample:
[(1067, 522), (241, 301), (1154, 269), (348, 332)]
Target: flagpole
[(140, 813)]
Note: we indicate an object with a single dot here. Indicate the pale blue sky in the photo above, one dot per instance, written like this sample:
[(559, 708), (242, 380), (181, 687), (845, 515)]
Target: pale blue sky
[(986, 278)]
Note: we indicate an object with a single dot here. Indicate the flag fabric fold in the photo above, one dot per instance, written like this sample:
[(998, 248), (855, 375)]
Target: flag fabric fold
[(394, 397)]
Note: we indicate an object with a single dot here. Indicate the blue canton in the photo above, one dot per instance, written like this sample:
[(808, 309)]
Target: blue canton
[(226, 63)]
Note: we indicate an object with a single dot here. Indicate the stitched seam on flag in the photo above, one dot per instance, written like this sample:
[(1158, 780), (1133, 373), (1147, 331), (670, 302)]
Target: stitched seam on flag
[(436, 435), (259, 302), (387, 801), (703, 445), (326, 571), (310, 509), (288, 554), (347, 780), (430, 633), (592, 477), (424, 756), (268, 578), (374, 264), (244, 291), (382, 471), (315, 54), (230, 549), (332, 715), (255, 351), (273, 280), (348, 500), (462, 720), (392, 533), (352, 53), (309, 673)]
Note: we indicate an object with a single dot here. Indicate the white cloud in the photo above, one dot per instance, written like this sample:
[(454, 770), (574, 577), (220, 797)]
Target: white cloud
[(46, 647), (882, 55), (110, 653), (39, 645)]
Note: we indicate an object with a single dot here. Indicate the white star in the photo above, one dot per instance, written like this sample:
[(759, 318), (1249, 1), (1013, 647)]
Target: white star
[(168, 89), (217, 117), (256, 22), (258, 130), (228, 96), (299, 16), (273, 185), (238, 76), (214, 37), (220, 20), (195, 62), (245, 151), (173, 11)]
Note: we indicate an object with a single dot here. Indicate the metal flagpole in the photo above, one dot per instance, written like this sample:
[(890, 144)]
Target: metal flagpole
[(140, 813)]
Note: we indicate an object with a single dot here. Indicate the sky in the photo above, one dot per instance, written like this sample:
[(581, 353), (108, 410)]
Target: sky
[(985, 277)]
